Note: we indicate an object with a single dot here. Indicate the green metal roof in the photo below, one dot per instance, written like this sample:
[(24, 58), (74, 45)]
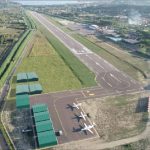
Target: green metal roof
[(47, 138), (32, 76), (41, 116), (39, 108), (22, 89), (35, 88), (44, 126), (22, 101), (21, 77)]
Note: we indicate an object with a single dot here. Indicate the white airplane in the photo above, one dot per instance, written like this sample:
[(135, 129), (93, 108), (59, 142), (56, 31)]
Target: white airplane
[(76, 105), (82, 116), (88, 127)]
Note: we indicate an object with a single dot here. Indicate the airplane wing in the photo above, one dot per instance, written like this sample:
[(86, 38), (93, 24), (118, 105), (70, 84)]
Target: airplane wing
[(83, 116), (90, 131), (85, 125)]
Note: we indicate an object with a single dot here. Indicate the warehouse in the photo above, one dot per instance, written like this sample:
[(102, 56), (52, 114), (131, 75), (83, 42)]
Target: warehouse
[(43, 126), (22, 89), (39, 108), (47, 138), (22, 101), (22, 77), (41, 116), (28, 89), (35, 89), (32, 76), (27, 77)]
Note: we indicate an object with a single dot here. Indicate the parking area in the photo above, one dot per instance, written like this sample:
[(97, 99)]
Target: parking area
[(65, 118)]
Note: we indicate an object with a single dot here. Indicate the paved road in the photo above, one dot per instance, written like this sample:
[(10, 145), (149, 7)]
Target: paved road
[(107, 75)]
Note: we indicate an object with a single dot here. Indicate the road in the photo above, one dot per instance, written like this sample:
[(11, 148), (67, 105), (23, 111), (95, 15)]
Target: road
[(107, 75)]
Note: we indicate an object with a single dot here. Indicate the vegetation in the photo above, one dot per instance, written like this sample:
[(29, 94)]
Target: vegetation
[(14, 29), (54, 74), (84, 75), (118, 117), (107, 55)]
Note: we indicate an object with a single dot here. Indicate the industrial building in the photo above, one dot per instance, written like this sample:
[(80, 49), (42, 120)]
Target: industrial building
[(27, 77), (22, 101), (43, 126), (28, 89)]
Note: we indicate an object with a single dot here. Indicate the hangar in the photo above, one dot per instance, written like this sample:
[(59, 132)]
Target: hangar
[(28, 89), (22, 89), (22, 77), (27, 77), (22, 101), (44, 126)]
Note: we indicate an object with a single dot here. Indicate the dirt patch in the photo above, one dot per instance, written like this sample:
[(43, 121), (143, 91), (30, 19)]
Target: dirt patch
[(15, 121), (40, 46), (115, 119), (139, 145)]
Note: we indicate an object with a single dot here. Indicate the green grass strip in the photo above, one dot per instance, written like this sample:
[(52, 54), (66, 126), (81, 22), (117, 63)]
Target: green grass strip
[(84, 75)]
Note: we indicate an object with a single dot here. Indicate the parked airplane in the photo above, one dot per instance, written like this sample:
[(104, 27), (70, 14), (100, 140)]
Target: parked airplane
[(76, 105), (81, 116), (88, 127)]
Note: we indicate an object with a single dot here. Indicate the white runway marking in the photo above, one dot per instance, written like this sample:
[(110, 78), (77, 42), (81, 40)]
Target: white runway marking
[(115, 77), (106, 82), (99, 65)]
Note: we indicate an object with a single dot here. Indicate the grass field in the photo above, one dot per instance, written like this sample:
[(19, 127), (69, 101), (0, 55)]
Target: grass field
[(53, 73), (84, 75)]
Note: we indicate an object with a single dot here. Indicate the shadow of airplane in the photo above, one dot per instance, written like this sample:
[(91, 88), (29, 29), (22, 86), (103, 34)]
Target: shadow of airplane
[(79, 130), (77, 117), (70, 107)]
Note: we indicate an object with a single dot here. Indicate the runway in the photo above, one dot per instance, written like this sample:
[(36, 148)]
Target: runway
[(110, 82), (107, 75)]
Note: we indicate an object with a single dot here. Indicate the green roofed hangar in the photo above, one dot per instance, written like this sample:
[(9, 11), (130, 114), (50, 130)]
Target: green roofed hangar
[(22, 77), (39, 108), (35, 88), (47, 138), (41, 116), (22, 101), (32, 76), (28, 89), (43, 125), (22, 89), (25, 77)]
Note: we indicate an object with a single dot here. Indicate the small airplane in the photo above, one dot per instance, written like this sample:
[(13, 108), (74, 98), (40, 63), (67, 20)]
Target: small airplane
[(81, 116), (76, 105), (88, 127)]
